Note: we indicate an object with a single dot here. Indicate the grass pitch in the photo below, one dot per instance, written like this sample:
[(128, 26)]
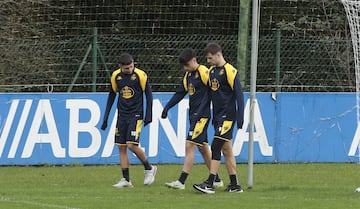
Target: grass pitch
[(275, 186)]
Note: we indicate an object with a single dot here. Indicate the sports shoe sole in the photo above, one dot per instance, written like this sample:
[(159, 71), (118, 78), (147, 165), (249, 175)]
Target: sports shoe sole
[(203, 190), (235, 191), (174, 187)]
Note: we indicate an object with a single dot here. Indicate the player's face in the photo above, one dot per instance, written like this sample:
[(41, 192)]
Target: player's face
[(191, 65), (128, 69), (211, 59)]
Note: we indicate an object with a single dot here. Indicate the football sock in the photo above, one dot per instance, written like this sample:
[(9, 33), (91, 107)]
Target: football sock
[(217, 178), (211, 179), (125, 172), (183, 177), (233, 179), (147, 165)]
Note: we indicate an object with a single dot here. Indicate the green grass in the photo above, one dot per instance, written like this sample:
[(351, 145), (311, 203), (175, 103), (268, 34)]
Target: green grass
[(275, 186)]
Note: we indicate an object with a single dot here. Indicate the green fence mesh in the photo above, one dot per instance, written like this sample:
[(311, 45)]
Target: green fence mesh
[(44, 42)]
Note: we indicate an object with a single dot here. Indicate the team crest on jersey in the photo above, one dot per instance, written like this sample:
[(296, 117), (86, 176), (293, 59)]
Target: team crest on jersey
[(133, 77), (214, 84), (191, 89), (221, 72), (127, 92), (119, 78)]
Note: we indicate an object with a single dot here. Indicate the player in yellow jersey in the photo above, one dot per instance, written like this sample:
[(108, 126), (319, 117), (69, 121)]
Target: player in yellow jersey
[(130, 83), (194, 84), (228, 107)]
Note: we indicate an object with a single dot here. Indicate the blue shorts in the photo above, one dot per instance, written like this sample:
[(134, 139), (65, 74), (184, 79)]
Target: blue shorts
[(224, 130), (198, 131), (128, 130)]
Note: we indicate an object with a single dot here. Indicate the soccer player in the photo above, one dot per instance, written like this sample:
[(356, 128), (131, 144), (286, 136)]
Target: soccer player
[(131, 83), (228, 107), (194, 83)]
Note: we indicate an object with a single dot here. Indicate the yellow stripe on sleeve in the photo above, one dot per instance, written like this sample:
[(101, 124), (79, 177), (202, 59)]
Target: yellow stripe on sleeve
[(185, 81), (230, 74), (204, 74), (113, 80), (142, 77)]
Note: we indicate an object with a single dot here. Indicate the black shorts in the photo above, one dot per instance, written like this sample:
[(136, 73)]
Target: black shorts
[(224, 130), (128, 130), (198, 131)]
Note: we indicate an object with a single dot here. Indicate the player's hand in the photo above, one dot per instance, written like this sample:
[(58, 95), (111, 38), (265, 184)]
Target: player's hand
[(164, 114), (146, 122), (104, 125)]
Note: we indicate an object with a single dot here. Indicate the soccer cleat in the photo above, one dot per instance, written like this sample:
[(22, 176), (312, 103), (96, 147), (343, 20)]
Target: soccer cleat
[(123, 183), (150, 175), (234, 188), (175, 185), (218, 183), (204, 188)]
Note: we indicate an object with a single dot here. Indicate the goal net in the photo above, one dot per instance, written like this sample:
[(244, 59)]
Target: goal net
[(352, 8)]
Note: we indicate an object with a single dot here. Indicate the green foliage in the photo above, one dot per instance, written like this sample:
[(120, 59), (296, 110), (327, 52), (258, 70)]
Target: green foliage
[(279, 186), (44, 41)]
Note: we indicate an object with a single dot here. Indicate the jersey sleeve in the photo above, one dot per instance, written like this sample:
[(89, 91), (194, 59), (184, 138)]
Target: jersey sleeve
[(185, 81), (109, 103), (145, 87), (204, 74), (142, 78), (180, 93), (149, 102), (239, 100), (231, 73), (113, 80), (112, 94)]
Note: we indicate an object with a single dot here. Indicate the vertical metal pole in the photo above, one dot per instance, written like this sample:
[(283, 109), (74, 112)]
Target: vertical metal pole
[(277, 63), (94, 59), (243, 36), (254, 56), (83, 61)]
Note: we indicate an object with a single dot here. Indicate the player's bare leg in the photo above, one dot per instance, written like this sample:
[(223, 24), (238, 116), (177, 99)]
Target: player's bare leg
[(189, 157), (229, 158), (206, 153), (231, 168), (124, 157), (124, 164), (150, 171)]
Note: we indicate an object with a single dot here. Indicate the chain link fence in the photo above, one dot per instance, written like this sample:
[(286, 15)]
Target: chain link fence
[(47, 45)]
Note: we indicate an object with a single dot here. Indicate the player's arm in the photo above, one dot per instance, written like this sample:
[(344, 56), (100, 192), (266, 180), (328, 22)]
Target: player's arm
[(111, 98), (240, 101), (176, 98), (109, 103), (149, 104)]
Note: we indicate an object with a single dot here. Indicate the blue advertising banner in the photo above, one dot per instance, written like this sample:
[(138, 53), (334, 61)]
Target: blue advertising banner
[(65, 129)]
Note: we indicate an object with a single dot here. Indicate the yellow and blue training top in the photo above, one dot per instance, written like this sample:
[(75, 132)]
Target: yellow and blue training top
[(226, 94), (195, 84), (131, 88)]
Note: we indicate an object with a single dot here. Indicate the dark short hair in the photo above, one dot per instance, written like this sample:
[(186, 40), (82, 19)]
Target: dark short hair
[(125, 59), (212, 48), (186, 55)]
